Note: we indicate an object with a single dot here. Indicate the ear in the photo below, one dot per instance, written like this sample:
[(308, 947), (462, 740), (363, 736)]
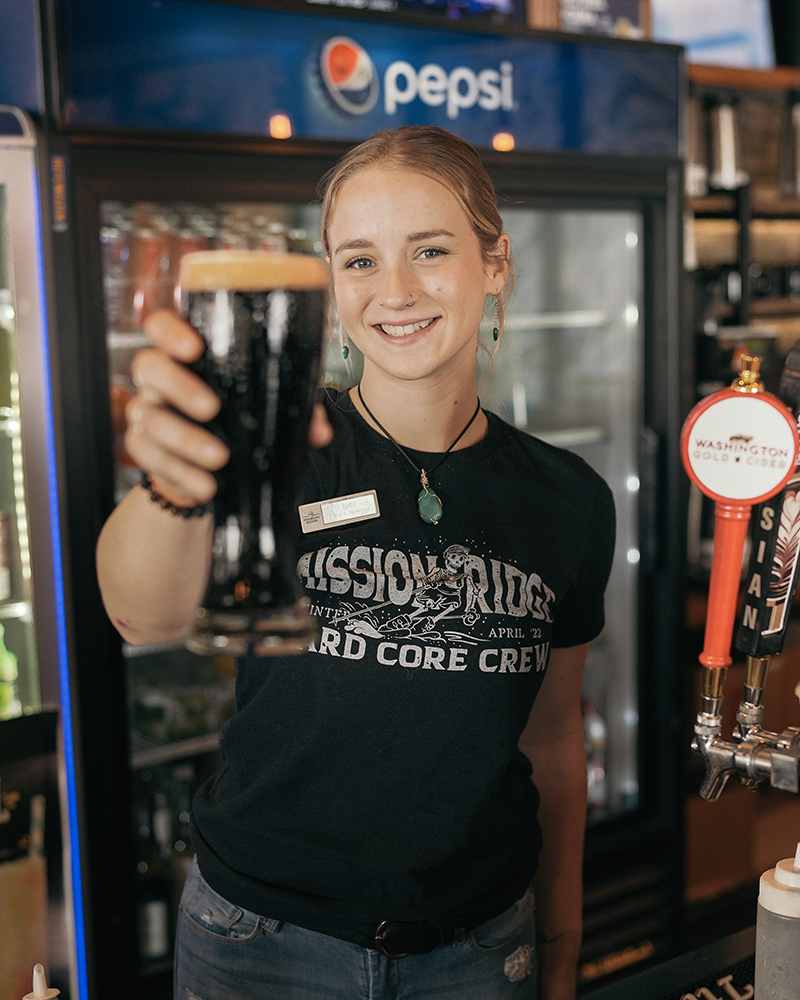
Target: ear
[(497, 270)]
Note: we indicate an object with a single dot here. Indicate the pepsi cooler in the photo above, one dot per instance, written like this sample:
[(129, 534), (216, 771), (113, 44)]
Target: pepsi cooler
[(187, 124)]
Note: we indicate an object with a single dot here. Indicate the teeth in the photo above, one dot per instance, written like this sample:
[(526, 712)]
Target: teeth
[(404, 331)]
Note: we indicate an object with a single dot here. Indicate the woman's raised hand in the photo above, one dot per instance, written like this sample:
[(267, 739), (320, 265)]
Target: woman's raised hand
[(164, 435)]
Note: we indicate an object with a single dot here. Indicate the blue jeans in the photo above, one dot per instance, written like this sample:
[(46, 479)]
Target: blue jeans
[(226, 953)]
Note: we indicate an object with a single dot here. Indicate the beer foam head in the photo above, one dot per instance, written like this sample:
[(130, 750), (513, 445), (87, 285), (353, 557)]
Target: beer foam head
[(250, 271)]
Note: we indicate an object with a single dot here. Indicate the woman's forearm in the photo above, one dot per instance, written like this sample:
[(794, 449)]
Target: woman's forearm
[(558, 885), (554, 743), (152, 567)]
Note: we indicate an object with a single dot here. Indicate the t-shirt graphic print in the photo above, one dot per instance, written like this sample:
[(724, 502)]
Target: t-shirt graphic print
[(456, 610)]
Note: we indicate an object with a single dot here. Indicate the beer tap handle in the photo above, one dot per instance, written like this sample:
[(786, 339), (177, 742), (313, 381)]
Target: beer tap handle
[(730, 531), (771, 578), (739, 446)]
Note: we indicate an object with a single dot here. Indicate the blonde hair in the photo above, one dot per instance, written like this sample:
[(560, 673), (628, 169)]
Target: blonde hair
[(442, 156)]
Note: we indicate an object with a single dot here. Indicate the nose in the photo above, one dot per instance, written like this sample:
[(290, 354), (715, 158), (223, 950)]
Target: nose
[(396, 289)]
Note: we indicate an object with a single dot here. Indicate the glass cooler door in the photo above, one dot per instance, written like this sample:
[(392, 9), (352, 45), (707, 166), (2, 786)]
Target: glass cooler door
[(177, 701), (570, 371), (39, 874)]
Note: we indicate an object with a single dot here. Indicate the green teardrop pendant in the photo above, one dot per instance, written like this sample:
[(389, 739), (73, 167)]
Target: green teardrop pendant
[(429, 506)]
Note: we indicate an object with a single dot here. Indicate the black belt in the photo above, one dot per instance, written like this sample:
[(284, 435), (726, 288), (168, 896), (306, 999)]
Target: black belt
[(401, 938)]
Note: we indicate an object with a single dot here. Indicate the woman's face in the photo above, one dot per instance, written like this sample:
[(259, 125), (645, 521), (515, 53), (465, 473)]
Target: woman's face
[(408, 276)]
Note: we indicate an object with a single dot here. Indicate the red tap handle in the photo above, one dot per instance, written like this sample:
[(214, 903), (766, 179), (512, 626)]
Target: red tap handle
[(738, 449), (730, 531)]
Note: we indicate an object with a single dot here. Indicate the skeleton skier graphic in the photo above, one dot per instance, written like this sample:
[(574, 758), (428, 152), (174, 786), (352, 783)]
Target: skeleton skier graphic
[(446, 592)]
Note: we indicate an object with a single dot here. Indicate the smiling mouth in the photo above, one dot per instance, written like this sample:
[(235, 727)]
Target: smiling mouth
[(404, 331)]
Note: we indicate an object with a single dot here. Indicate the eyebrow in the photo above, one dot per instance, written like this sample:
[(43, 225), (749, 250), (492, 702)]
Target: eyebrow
[(427, 234), (354, 245)]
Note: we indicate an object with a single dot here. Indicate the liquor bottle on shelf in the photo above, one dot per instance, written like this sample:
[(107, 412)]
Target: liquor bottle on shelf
[(696, 174), (726, 172)]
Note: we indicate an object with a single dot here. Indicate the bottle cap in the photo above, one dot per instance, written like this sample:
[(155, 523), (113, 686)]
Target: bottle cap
[(779, 888)]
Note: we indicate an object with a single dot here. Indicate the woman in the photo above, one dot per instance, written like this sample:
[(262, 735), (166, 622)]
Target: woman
[(374, 830)]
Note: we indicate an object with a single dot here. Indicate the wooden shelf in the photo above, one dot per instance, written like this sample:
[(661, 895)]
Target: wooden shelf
[(713, 205), (724, 206), (788, 208), (782, 78), (775, 306)]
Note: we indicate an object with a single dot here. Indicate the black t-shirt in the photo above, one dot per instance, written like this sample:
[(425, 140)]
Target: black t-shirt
[(378, 776)]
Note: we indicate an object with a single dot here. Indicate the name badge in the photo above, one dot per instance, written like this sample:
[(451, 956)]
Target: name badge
[(339, 510)]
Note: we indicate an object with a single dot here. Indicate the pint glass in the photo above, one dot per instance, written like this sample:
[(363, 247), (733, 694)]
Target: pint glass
[(262, 316)]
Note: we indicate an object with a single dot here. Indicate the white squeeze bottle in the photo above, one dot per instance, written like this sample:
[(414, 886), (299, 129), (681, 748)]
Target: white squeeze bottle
[(778, 932)]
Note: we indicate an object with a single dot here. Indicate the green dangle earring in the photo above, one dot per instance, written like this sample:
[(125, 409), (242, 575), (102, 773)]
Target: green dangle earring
[(496, 327)]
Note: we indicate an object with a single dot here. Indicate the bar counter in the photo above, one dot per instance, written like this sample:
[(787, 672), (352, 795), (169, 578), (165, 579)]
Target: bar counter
[(722, 970)]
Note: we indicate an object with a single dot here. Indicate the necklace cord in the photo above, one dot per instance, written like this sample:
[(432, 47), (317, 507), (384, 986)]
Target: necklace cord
[(403, 451)]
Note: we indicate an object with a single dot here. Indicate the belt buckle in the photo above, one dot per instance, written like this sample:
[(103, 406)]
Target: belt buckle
[(379, 941)]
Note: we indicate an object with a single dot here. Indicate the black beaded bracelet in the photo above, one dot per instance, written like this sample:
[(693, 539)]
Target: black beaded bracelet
[(196, 511)]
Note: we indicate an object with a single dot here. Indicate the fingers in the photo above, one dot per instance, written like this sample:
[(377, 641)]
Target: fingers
[(161, 379), (163, 435), (173, 335), (164, 442)]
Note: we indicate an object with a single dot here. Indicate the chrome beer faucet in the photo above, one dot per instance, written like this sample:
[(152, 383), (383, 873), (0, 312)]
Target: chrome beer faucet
[(753, 753)]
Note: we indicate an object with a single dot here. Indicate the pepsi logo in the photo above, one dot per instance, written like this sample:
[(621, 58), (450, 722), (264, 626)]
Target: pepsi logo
[(349, 75)]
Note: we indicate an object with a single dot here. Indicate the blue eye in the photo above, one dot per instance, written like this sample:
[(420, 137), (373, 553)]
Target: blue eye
[(359, 264), (431, 253)]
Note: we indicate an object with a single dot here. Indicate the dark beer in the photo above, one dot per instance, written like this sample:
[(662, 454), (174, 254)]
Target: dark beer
[(262, 317)]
